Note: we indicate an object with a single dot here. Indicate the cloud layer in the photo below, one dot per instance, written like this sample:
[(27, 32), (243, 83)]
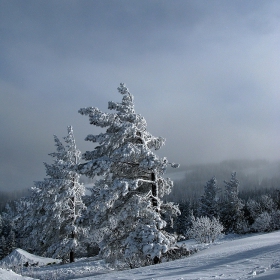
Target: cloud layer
[(204, 74)]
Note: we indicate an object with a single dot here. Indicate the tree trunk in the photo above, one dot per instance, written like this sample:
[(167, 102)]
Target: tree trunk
[(156, 259), (72, 256), (73, 235), (154, 191)]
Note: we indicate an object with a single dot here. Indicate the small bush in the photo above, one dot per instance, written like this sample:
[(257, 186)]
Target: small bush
[(204, 229), (262, 223)]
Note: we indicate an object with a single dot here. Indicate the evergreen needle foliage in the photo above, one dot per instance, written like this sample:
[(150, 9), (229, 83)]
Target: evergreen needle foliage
[(125, 215), (48, 218)]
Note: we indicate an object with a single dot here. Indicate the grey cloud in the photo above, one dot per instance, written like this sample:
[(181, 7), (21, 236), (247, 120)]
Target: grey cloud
[(204, 74)]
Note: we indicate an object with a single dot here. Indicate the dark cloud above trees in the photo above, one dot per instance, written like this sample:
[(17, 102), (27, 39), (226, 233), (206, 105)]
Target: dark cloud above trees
[(205, 75)]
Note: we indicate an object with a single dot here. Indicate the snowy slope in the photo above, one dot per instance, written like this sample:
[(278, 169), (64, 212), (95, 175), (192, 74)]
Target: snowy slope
[(255, 257), (20, 257), (245, 257), (10, 275)]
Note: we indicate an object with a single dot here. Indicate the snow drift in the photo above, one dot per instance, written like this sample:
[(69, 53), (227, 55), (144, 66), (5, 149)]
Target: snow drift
[(10, 275), (20, 257)]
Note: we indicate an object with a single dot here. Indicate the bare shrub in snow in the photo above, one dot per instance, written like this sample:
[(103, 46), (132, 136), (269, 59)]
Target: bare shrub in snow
[(262, 222), (204, 229), (275, 220)]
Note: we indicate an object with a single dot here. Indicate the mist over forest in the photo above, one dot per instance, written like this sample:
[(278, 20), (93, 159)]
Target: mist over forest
[(255, 176)]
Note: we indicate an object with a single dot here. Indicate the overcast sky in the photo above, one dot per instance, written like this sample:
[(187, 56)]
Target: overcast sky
[(204, 74)]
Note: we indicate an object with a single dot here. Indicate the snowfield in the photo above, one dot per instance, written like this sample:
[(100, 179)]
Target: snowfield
[(19, 256), (234, 257), (10, 275)]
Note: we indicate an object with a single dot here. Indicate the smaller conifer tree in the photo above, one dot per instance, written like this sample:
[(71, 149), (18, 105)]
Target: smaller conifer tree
[(209, 205), (3, 247), (232, 216), (55, 204)]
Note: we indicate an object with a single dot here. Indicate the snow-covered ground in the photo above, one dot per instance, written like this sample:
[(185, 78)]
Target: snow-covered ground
[(239, 257), (21, 257), (10, 275)]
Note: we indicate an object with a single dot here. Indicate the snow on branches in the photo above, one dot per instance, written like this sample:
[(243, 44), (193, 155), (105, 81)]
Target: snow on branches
[(205, 229), (55, 204), (127, 199)]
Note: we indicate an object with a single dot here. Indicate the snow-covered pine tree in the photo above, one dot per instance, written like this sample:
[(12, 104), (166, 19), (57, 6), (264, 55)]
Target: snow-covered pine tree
[(262, 222), (208, 204), (3, 247), (1, 224), (263, 213), (23, 223), (8, 228), (125, 214), (183, 221), (7, 219), (55, 205), (232, 216), (267, 204), (11, 241), (1, 242), (252, 210)]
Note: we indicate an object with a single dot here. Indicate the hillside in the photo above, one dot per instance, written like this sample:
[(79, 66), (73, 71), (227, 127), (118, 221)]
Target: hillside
[(234, 257)]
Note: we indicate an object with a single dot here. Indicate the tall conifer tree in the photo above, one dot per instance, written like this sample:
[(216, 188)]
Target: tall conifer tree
[(125, 214)]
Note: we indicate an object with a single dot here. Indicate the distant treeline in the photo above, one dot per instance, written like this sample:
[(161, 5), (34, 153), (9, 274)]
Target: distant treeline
[(256, 177), (6, 197)]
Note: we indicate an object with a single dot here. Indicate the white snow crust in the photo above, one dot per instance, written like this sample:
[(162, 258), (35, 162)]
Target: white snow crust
[(254, 256), (21, 257), (250, 256), (10, 275)]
